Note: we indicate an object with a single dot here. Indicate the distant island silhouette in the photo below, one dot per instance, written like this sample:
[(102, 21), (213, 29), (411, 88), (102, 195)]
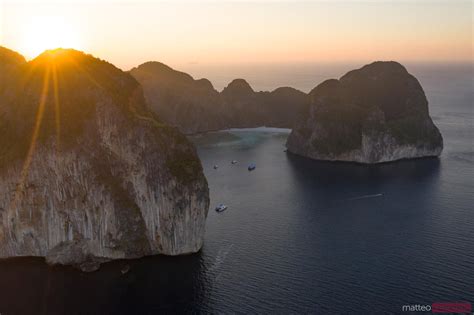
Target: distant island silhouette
[(195, 106)]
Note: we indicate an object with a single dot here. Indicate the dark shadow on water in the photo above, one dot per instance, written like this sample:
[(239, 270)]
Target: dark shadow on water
[(355, 171), (334, 182), (157, 284)]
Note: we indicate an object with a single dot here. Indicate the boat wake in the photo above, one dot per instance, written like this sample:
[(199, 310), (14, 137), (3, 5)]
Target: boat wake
[(366, 196), (221, 256)]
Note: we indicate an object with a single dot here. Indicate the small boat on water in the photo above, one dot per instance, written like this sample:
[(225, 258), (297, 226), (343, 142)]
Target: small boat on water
[(233, 162), (221, 207), (252, 166), (216, 167)]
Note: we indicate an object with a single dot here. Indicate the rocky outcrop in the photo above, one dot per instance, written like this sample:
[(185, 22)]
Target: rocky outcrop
[(87, 172), (378, 113), (246, 108), (243, 107), (179, 100), (10, 58), (11, 63), (286, 105), (195, 106)]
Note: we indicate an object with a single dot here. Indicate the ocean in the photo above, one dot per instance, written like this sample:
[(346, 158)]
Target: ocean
[(299, 236)]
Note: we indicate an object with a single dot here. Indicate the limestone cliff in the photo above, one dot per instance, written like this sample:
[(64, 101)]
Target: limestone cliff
[(195, 106), (191, 105), (378, 113), (87, 172), (285, 106), (243, 108)]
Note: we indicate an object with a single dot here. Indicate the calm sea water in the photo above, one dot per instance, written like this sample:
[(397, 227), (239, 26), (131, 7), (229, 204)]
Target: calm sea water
[(299, 236)]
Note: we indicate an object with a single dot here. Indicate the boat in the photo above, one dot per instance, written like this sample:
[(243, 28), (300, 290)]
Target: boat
[(233, 162), (252, 166), (216, 167), (221, 207)]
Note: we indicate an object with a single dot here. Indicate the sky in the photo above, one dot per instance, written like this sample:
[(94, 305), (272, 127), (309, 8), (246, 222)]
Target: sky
[(128, 33)]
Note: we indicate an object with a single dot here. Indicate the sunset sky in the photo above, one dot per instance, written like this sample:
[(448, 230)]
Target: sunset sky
[(128, 33)]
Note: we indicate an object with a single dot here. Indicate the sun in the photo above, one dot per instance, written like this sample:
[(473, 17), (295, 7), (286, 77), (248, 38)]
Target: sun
[(49, 32)]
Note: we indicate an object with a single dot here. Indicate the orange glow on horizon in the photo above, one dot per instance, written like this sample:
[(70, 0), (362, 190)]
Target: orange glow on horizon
[(179, 33), (45, 32)]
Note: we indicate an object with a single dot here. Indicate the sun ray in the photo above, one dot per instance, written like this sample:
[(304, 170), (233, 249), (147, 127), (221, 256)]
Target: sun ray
[(86, 73), (34, 138), (57, 107), (43, 32)]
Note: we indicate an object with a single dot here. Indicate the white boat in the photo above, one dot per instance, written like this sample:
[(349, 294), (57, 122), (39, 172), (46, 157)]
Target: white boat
[(216, 167), (233, 162), (221, 207)]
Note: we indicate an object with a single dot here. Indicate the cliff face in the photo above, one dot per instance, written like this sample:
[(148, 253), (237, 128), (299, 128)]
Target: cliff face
[(378, 113), (195, 106), (179, 100), (87, 172), (243, 108), (286, 105)]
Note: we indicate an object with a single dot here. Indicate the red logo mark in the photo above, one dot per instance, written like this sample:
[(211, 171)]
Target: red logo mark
[(450, 307)]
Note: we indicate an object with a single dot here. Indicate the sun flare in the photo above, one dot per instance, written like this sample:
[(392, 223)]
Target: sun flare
[(48, 32)]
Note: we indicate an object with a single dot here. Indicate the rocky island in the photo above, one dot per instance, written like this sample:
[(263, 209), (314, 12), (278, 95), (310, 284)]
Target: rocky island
[(378, 113), (195, 106), (88, 173)]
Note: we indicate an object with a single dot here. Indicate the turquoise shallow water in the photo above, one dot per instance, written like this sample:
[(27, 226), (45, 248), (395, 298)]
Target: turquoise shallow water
[(299, 236)]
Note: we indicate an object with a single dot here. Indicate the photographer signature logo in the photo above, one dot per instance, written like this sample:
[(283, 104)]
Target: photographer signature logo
[(440, 307)]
